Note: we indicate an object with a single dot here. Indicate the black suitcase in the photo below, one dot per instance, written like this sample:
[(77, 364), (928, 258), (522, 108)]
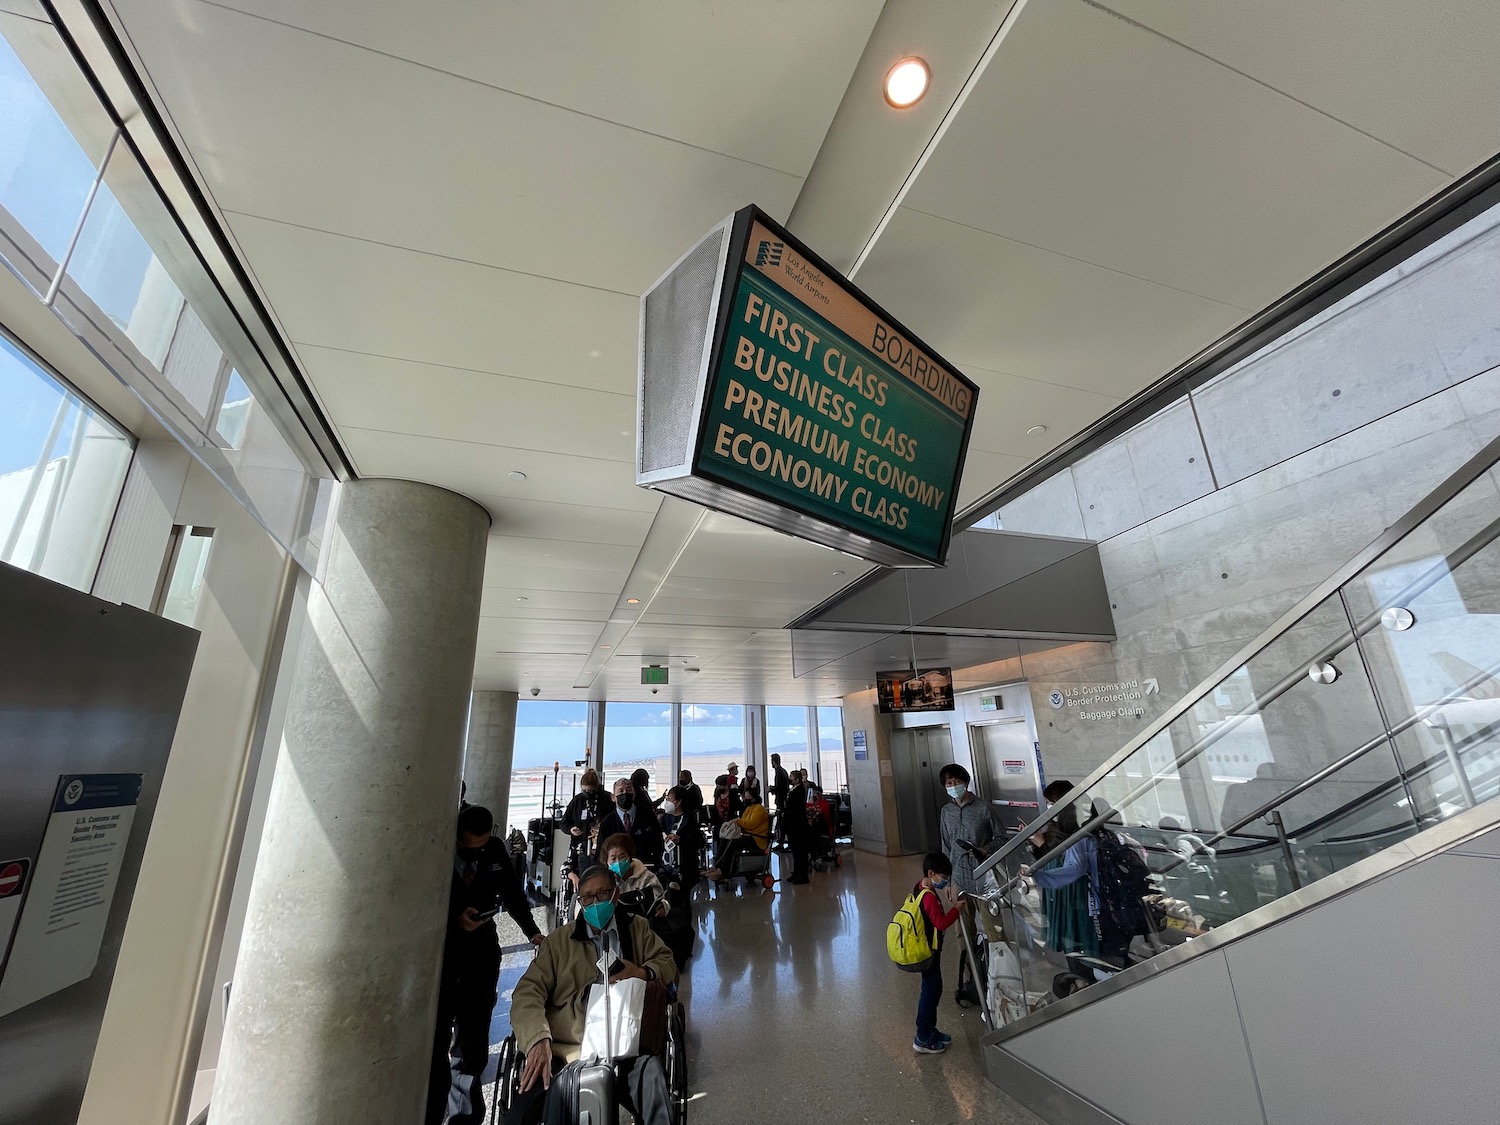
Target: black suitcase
[(587, 1092)]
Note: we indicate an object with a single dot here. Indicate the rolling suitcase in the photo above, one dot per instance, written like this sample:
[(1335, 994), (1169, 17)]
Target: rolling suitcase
[(586, 1091)]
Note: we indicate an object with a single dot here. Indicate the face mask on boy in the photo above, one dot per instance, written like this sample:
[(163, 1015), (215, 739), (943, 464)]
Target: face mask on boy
[(957, 790)]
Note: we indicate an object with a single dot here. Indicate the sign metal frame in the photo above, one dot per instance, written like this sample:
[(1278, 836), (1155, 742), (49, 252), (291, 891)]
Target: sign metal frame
[(698, 480)]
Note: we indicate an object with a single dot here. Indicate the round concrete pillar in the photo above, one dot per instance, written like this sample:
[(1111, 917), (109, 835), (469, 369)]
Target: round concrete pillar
[(490, 753), (334, 997)]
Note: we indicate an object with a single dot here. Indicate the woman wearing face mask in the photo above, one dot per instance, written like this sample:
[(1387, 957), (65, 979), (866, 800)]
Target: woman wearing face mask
[(751, 785), (684, 831), (636, 883), (589, 806), (1068, 881)]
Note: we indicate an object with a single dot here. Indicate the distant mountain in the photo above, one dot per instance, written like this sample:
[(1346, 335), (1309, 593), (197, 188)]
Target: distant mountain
[(785, 749)]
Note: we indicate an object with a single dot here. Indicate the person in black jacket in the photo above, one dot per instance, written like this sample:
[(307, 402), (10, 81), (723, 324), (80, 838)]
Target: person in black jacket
[(484, 882), (588, 808), (680, 822), (781, 782), (798, 831), (637, 821)]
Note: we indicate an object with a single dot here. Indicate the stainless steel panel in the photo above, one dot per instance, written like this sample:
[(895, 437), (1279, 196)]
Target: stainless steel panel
[(1040, 1094), (85, 687), (1169, 1054), (1005, 760), (916, 757), (1488, 844), (1379, 1006)]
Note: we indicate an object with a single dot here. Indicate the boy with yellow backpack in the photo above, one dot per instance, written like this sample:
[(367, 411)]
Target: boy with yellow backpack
[(914, 941)]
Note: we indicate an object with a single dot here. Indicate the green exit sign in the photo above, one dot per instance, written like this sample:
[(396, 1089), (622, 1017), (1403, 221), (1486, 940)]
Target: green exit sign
[(654, 676)]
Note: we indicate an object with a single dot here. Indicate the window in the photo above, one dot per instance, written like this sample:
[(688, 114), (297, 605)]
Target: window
[(234, 411), (62, 466), (547, 732), (638, 736), (182, 578), (57, 145), (833, 767), (712, 736), (44, 175), (786, 734)]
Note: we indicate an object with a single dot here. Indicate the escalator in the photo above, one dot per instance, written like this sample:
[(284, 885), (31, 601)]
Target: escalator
[(1306, 934)]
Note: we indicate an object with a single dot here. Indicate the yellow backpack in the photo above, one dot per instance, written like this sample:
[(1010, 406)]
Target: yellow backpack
[(906, 938)]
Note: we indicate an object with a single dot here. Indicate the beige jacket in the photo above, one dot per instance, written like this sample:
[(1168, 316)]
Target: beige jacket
[(550, 996)]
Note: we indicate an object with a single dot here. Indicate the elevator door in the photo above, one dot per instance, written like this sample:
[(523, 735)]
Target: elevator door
[(1007, 762), (917, 755)]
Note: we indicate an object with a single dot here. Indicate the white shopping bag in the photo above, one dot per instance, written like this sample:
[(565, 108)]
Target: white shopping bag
[(612, 1028)]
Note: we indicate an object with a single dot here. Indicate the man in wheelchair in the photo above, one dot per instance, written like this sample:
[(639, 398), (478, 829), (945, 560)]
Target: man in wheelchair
[(549, 1002)]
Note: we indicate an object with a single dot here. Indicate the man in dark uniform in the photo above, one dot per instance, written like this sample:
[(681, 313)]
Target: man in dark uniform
[(484, 881), (798, 831), (780, 784)]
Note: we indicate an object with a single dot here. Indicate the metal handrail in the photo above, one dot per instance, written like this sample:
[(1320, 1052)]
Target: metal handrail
[(1383, 739), (1432, 503)]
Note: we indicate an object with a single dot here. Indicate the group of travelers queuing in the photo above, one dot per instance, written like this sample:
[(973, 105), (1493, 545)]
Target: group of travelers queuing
[(636, 861)]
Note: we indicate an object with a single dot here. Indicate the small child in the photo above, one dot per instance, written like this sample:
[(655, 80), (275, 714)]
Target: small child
[(941, 911)]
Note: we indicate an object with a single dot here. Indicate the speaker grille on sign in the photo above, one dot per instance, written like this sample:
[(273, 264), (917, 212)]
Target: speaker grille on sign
[(675, 325)]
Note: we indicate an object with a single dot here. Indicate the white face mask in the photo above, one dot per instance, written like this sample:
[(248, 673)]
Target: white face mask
[(671, 808), (957, 791)]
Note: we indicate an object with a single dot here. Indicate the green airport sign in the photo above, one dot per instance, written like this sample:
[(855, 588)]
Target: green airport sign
[(820, 402)]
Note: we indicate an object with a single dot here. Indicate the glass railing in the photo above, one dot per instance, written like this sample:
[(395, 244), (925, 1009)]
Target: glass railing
[(1368, 713)]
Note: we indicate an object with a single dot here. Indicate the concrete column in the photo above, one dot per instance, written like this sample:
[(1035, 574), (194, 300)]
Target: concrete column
[(335, 994), (491, 753)]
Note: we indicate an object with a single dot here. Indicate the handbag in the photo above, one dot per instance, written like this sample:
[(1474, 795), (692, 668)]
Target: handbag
[(730, 830), (612, 1023)]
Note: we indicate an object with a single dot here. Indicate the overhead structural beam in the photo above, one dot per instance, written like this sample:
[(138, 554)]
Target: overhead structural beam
[(873, 152), (996, 584)]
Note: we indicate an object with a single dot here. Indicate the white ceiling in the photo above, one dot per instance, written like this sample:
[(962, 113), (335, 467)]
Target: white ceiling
[(452, 210)]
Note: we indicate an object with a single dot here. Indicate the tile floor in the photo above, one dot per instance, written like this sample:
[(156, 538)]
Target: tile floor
[(795, 1014)]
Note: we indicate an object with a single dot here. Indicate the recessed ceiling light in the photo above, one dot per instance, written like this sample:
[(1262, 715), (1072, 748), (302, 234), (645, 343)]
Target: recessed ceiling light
[(1036, 431), (906, 82), (516, 474), (632, 601), (521, 599), (838, 573)]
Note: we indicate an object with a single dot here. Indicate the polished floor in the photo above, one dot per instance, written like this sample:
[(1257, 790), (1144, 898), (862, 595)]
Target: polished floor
[(796, 1014)]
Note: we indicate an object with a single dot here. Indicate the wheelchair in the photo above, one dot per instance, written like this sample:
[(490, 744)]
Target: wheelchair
[(674, 1061), (750, 866)]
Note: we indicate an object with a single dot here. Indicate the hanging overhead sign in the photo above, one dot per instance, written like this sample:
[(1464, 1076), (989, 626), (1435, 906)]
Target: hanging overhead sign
[(773, 389)]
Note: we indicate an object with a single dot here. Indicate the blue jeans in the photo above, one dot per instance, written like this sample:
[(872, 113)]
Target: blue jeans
[(927, 1003)]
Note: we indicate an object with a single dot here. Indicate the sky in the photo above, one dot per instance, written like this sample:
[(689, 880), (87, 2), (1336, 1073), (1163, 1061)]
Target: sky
[(44, 179), (548, 731)]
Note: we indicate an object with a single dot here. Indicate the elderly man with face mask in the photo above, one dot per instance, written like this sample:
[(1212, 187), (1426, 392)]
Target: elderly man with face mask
[(550, 1000)]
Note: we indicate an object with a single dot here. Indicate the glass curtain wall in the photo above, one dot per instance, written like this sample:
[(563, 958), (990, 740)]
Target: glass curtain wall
[(82, 224), (638, 736), (62, 466), (713, 735), (833, 767), (787, 734), (548, 734)]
